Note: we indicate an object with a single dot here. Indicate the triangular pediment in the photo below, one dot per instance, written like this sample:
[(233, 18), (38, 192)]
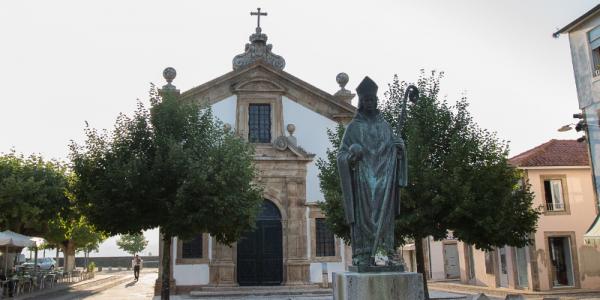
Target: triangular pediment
[(261, 77), (258, 85)]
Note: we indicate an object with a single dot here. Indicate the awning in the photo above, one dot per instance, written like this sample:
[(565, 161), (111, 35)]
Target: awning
[(592, 236)]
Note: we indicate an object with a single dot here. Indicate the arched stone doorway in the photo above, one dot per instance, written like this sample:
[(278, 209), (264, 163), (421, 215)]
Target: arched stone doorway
[(260, 252)]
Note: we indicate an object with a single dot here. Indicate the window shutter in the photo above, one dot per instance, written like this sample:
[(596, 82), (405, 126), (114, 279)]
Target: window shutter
[(594, 37)]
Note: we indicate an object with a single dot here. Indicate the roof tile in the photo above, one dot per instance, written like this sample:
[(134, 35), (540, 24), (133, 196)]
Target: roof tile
[(553, 153)]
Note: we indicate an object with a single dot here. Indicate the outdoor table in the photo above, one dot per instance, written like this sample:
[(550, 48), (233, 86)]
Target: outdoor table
[(22, 282), (59, 276), (51, 277)]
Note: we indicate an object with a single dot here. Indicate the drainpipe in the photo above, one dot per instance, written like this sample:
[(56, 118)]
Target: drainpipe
[(429, 254), (590, 158)]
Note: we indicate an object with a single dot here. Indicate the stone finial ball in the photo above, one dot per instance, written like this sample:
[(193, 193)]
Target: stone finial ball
[(291, 128), (169, 74), (342, 79)]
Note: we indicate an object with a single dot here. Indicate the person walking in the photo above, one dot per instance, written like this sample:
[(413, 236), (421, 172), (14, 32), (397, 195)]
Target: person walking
[(137, 264)]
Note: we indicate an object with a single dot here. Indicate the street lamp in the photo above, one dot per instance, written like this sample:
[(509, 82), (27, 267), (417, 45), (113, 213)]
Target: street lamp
[(565, 128)]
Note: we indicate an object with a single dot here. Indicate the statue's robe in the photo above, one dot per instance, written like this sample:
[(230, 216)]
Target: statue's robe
[(370, 186)]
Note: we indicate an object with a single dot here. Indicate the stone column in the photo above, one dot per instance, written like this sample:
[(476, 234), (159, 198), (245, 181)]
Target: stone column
[(222, 265), (297, 265)]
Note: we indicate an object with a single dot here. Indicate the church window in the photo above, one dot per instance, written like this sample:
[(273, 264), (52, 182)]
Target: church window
[(192, 248), (325, 239), (594, 39), (259, 123)]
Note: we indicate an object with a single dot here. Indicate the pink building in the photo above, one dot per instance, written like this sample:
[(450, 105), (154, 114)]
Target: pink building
[(561, 180)]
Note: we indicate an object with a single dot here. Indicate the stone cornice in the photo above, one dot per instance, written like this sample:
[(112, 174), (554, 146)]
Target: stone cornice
[(224, 86)]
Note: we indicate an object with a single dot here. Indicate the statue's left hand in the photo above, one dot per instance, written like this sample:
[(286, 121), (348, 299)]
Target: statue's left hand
[(399, 143)]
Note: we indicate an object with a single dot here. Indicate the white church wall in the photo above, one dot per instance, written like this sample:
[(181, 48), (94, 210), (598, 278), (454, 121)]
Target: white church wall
[(316, 271), (311, 135), (193, 274), (224, 110)]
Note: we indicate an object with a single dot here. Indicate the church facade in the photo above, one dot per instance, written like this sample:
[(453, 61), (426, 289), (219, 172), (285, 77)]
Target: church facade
[(286, 118)]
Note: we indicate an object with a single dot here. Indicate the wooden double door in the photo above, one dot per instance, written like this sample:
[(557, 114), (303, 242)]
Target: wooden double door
[(260, 252)]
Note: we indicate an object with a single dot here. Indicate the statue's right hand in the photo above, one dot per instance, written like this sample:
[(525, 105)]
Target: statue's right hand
[(356, 152)]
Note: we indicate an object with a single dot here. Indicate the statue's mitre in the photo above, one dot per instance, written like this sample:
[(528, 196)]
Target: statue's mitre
[(367, 87)]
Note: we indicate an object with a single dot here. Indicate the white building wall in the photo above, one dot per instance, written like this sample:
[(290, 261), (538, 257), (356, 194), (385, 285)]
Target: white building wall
[(224, 110), (316, 269), (188, 274), (311, 135)]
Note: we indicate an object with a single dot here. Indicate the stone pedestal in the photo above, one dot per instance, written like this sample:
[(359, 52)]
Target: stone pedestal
[(378, 286)]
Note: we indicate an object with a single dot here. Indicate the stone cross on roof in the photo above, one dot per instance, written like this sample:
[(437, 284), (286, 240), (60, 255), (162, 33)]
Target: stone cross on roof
[(258, 49), (258, 14)]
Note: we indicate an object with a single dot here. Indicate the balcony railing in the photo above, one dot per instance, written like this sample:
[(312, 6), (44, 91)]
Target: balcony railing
[(555, 206)]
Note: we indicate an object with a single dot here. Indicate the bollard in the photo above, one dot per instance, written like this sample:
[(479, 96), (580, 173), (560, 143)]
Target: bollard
[(325, 275)]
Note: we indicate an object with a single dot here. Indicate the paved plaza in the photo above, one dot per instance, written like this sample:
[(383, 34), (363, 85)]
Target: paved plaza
[(123, 286)]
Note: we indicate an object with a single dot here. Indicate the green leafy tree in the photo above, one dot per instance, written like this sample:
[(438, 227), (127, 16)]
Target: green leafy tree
[(32, 192), (72, 232), (459, 176), (132, 243), (171, 166)]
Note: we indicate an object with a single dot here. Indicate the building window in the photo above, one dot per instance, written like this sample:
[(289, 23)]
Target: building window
[(594, 39), (553, 194), (562, 261), (259, 123), (325, 239), (489, 262), (192, 248)]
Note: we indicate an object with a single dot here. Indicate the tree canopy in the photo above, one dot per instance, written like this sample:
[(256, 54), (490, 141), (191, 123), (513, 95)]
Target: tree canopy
[(32, 192), (172, 166), (132, 243), (459, 178), (459, 175)]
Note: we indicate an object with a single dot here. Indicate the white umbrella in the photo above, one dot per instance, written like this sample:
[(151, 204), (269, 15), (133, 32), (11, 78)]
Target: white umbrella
[(14, 240)]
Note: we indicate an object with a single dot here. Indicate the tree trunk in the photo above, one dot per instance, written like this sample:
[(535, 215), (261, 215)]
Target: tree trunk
[(421, 264), (85, 258), (69, 255), (166, 268)]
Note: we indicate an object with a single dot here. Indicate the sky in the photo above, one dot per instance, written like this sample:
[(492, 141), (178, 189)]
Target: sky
[(63, 63)]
